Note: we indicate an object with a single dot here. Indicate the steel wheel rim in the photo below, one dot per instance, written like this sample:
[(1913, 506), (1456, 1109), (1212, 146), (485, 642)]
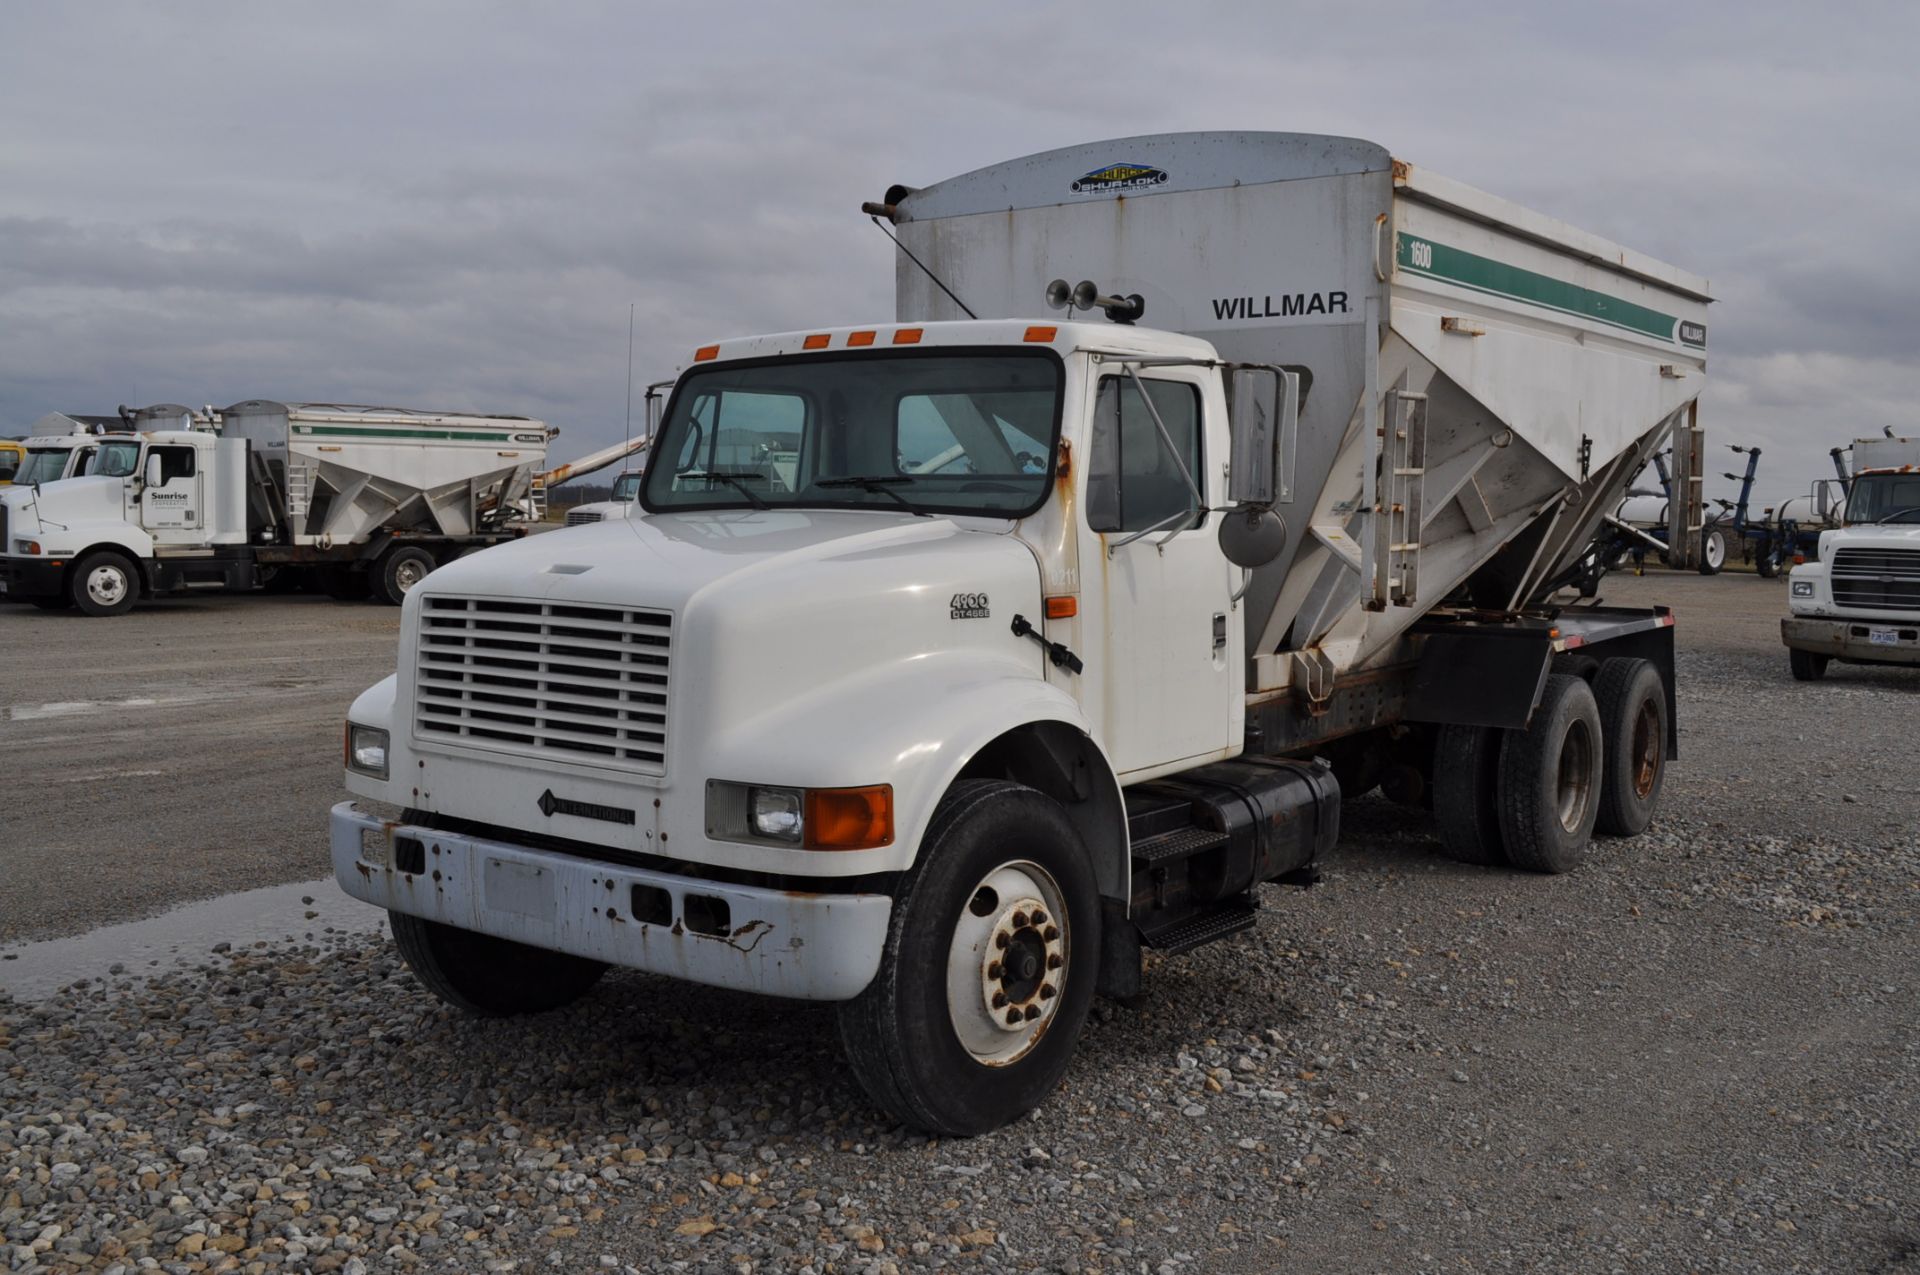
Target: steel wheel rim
[(409, 573), (1574, 787), (107, 585), (1646, 750), (1716, 551), (1007, 963)]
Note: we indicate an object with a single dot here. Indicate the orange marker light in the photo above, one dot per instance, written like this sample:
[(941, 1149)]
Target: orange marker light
[(706, 352), (1063, 608), (859, 338), (818, 341), (849, 818), (1038, 333), (906, 336)]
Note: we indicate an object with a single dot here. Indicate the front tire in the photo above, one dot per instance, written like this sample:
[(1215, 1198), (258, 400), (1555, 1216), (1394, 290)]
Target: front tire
[(989, 965), (103, 583), (1550, 778), (1806, 665), (490, 977), (1633, 724)]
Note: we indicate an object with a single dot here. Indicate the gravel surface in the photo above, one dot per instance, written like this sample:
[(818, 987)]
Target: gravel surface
[(1696, 1053)]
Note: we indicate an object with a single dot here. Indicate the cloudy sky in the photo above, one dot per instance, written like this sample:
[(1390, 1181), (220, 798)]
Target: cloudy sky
[(455, 204)]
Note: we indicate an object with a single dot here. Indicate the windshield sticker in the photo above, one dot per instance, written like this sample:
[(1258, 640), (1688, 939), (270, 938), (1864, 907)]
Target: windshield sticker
[(1120, 177)]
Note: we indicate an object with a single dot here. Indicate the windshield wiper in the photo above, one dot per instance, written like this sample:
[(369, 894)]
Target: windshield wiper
[(879, 484), (736, 479)]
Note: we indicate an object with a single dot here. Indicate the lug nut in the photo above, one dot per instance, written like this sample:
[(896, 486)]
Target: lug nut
[(1019, 919), (1039, 917), (1033, 1012), (999, 1000), (1046, 991), (1052, 934), (1000, 940), (1013, 1018), (993, 970), (1054, 961)]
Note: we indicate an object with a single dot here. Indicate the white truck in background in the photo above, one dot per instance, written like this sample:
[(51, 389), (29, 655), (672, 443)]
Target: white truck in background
[(1860, 602), (363, 500), (950, 660), (620, 504)]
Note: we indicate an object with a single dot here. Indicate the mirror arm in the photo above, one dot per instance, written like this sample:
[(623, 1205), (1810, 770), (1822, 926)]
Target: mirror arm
[(1176, 516), (1199, 500)]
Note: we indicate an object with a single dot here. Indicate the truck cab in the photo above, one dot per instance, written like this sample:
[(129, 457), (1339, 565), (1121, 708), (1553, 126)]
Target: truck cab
[(1859, 603), (13, 455), (625, 499)]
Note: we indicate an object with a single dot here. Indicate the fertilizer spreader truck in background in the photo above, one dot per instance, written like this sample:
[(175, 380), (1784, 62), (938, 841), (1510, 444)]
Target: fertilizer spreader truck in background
[(364, 500), (950, 661), (1860, 602)]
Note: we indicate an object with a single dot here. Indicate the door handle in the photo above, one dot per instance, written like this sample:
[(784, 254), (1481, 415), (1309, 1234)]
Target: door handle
[(1219, 629)]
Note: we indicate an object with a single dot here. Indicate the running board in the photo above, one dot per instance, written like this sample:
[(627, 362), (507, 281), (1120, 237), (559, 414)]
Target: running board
[(1222, 920)]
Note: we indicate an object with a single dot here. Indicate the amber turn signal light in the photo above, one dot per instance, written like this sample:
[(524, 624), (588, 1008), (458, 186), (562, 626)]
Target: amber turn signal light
[(849, 818)]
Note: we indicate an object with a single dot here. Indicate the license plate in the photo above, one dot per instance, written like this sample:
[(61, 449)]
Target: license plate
[(1884, 637)]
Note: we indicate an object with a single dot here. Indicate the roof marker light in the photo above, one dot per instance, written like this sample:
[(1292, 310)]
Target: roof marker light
[(906, 336), (860, 338), (706, 352), (818, 341), (1039, 333)]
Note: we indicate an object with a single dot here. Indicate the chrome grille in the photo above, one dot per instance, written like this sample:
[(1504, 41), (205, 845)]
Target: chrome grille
[(1876, 579), (581, 517), (545, 679)]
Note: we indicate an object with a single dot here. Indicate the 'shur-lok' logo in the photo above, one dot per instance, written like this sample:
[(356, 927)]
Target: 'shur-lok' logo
[(970, 606), (1120, 177)]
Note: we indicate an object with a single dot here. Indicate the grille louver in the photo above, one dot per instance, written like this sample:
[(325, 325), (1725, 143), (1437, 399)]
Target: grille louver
[(545, 679), (1877, 579), (581, 517)]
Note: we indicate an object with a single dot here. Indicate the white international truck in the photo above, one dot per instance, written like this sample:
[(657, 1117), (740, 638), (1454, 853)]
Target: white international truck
[(364, 500), (1860, 602), (950, 661)]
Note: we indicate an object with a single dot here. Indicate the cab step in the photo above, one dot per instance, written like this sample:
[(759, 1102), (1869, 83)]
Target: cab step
[(1223, 919), (1182, 843)]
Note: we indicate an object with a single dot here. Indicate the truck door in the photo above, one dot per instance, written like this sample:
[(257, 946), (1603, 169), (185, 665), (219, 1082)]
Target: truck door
[(1171, 634), (171, 509)]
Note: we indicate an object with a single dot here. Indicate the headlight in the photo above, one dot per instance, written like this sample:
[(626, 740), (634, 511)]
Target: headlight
[(26, 546), (813, 818), (367, 750), (1803, 588)]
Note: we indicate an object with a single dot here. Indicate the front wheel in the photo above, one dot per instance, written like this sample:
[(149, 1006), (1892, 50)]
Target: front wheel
[(1807, 666), (103, 584), (486, 976), (988, 971)]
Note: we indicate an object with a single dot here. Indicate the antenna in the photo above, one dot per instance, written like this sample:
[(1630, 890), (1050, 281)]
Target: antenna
[(629, 437), (867, 208)]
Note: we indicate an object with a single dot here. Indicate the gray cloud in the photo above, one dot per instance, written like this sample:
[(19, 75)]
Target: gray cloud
[(454, 204)]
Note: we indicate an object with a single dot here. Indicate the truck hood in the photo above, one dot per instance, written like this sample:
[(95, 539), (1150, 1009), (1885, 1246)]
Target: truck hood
[(66, 502), (1891, 536), (665, 560)]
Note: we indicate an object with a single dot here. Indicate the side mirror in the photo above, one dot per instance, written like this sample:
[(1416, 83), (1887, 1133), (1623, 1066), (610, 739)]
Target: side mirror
[(1263, 418), (154, 474)]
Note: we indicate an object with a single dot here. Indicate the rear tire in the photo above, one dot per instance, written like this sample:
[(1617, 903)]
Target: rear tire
[(1713, 551), (490, 977), (1633, 724), (1767, 564), (1466, 763), (399, 572), (928, 1039), (103, 583), (1550, 779), (1806, 665)]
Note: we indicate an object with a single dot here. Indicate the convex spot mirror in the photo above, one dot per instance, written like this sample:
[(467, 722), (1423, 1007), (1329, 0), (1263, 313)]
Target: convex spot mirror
[(1264, 420), (1252, 535)]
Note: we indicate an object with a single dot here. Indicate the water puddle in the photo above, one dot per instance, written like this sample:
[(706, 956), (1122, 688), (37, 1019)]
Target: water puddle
[(185, 936)]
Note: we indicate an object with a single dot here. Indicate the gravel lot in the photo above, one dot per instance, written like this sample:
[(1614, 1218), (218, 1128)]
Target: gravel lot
[(1697, 1053)]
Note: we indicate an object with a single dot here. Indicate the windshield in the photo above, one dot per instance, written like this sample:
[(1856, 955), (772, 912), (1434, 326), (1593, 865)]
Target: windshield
[(42, 466), (1888, 498), (116, 460), (939, 432), (626, 487)]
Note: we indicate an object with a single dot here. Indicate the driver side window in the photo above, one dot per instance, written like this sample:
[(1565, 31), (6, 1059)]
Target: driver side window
[(1134, 483)]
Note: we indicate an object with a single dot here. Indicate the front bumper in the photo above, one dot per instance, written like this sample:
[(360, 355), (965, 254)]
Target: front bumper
[(1853, 640), (823, 947), (31, 577)]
